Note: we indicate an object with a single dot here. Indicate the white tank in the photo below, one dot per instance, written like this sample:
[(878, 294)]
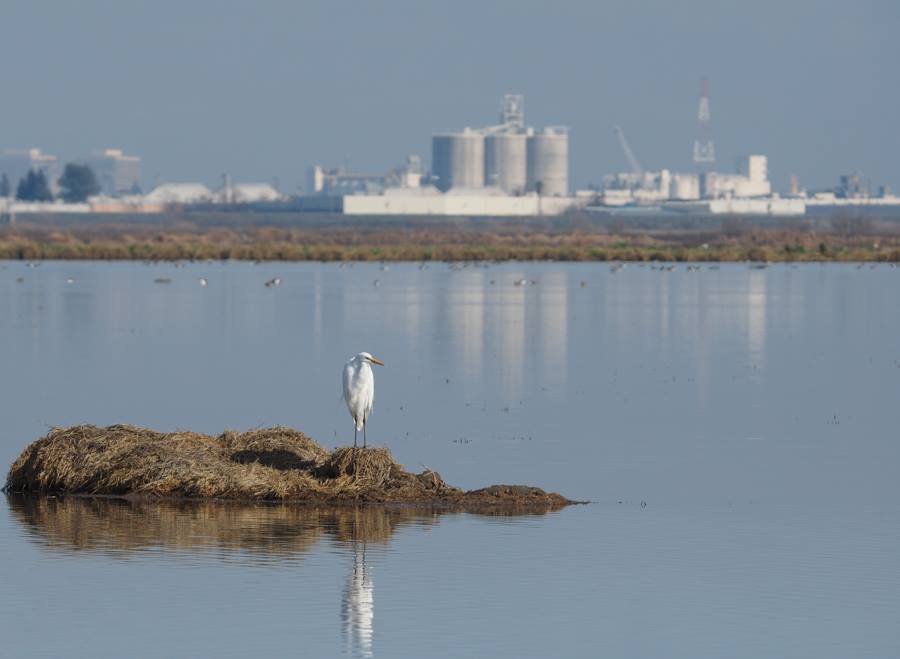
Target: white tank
[(548, 162), (684, 187), (505, 162), (457, 159)]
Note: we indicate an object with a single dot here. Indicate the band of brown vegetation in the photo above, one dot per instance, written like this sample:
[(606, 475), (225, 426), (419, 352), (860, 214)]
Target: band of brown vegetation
[(567, 239), (276, 464)]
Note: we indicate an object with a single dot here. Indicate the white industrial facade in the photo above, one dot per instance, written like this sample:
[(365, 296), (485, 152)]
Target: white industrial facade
[(457, 203), (750, 182), (735, 206), (179, 193)]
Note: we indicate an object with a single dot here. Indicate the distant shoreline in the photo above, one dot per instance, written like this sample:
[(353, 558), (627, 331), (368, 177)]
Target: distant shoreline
[(305, 237)]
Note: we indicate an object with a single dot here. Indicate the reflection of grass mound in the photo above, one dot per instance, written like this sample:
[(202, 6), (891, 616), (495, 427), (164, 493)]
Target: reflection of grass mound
[(114, 525), (268, 464)]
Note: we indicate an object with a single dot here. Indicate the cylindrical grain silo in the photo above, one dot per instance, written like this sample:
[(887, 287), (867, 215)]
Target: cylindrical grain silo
[(548, 162), (505, 162), (457, 160)]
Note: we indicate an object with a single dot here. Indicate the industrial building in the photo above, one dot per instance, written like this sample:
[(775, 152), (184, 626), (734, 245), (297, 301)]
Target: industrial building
[(504, 169), (16, 163), (245, 193), (341, 181), (851, 186), (179, 193), (642, 188), (751, 180), (117, 173), (509, 156), (456, 202), (740, 206)]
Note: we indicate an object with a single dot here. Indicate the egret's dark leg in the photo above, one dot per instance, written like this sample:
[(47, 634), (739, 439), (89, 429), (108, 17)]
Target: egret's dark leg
[(354, 434), (364, 434)]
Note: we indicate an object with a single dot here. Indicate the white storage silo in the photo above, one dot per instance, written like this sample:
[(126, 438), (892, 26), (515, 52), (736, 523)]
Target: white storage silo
[(548, 161), (505, 162), (685, 187), (457, 160)]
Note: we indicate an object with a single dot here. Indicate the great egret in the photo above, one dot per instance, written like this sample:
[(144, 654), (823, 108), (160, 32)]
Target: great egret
[(359, 390)]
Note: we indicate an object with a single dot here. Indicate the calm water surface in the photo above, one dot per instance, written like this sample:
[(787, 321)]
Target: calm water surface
[(736, 430)]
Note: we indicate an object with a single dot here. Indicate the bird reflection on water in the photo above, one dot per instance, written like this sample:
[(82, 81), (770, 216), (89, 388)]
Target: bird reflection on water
[(258, 533), (358, 606)]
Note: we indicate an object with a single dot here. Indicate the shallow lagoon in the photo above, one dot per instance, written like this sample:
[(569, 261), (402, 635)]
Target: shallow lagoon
[(736, 429)]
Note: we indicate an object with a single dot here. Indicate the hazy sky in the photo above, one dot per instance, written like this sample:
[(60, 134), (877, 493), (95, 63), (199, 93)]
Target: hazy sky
[(264, 89)]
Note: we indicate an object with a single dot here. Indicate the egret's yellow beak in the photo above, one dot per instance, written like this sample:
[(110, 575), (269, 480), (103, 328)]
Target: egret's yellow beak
[(375, 360)]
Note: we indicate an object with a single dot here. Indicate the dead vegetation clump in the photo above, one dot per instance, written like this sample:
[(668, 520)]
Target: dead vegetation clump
[(275, 464)]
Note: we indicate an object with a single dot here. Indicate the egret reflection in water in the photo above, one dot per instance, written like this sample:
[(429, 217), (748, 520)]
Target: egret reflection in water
[(263, 534), (358, 605)]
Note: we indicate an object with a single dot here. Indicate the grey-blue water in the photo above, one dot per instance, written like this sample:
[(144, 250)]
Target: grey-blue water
[(735, 428)]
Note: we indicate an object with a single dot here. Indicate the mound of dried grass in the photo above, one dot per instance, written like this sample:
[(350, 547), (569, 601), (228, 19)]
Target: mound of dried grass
[(267, 464)]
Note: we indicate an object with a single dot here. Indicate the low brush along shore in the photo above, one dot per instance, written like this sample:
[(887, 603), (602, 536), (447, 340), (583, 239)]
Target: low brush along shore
[(273, 464), (578, 237)]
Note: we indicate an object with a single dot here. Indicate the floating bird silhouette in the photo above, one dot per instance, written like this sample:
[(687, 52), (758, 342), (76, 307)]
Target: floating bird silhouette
[(203, 281), (275, 281), (359, 390)]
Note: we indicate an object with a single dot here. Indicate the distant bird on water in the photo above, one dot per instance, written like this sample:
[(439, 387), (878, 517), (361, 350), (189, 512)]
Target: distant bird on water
[(359, 390)]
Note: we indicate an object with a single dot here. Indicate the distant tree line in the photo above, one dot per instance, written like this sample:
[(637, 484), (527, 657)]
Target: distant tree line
[(77, 183)]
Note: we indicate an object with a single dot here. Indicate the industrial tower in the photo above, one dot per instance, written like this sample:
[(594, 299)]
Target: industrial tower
[(704, 147), (513, 112)]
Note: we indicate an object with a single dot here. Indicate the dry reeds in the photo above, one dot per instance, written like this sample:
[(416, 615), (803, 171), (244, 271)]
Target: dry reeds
[(275, 464), (299, 237)]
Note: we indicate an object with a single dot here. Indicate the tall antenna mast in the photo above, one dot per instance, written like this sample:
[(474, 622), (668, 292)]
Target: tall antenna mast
[(704, 147)]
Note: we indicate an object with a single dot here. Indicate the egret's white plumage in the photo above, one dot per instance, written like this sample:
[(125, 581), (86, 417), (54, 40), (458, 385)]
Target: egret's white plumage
[(359, 390)]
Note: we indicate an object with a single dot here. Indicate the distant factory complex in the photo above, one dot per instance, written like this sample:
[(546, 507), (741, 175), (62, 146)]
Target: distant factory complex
[(504, 169), (513, 169)]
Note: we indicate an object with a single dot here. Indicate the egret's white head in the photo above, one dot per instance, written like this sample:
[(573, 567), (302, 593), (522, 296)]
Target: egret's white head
[(367, 357)]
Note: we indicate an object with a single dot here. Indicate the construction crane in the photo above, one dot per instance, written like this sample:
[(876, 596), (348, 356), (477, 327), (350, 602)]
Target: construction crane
[(632, 159)]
